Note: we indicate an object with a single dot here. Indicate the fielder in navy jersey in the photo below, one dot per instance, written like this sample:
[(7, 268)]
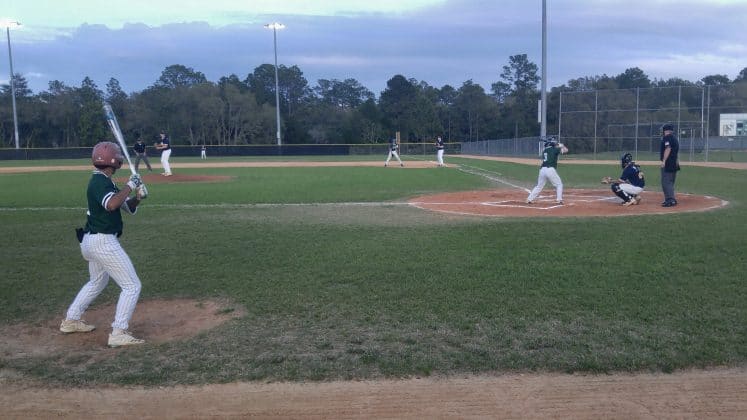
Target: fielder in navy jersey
[(393, 147), (440, 151), (141, 153), (99, 244), (165, 147)]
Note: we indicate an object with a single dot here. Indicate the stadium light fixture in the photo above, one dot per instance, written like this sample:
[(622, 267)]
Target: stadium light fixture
[(7, 23), (275, 26)]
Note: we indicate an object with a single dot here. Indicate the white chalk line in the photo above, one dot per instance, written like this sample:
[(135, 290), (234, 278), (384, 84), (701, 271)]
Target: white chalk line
[(473, 170), (227, 206)]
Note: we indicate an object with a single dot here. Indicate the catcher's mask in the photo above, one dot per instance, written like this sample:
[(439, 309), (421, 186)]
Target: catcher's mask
[(107, 154), (625, 160)]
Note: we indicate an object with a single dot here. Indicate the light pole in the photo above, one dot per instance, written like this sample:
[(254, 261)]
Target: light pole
[(275, 26), (7, 25), (543, 94)]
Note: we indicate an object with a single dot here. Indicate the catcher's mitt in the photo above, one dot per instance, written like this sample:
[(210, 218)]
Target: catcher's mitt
[(606, 180)]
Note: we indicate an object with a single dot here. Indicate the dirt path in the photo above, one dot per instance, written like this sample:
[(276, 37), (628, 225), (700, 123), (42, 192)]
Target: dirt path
[(695, 394), (716, 393)]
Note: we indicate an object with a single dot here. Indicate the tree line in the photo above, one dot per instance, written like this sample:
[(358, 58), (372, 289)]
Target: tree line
[(235, 111)]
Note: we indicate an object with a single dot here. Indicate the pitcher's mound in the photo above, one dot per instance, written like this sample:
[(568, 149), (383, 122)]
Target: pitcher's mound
[(576, 203)]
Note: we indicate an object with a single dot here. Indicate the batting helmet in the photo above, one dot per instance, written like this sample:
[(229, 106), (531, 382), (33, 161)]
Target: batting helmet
[(626, 159), (667, 127), (107, 154), (551, 142)]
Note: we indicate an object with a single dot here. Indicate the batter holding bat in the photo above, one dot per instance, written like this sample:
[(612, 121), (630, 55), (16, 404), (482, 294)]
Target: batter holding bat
[(99, 245), (548, 170)]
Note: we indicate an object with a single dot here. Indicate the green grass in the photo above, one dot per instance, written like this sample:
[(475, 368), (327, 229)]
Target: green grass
[(361, 292)]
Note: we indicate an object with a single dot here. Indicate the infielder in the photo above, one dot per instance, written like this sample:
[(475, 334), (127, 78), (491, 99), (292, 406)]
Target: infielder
[(440, 151), (165, 147), (393, 146), (631, 182), (548, 170), (100, 246), (141, 154)]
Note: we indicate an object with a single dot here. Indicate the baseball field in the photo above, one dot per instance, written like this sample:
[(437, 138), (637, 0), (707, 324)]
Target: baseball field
[(323, 273)]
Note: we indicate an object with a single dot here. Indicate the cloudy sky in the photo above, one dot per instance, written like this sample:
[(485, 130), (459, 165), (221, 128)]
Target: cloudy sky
[(436, 41)]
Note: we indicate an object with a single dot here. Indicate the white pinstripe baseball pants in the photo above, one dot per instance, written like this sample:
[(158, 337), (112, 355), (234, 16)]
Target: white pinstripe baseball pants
[(106, 258)]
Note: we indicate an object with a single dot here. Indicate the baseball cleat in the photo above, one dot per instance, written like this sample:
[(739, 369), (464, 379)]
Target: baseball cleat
[(124, 338), (75, 325), (530, 201), (560, 203)]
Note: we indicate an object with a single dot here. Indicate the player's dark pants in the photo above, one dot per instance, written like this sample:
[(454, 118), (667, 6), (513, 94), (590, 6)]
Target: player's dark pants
[(144, 157), (667, 184)]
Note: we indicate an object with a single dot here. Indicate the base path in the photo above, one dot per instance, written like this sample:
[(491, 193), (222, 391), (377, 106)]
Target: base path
[(576, 203), (695, 394)]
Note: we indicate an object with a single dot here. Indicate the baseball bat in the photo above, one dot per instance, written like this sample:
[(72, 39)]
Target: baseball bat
[(114, 126), (111, 119)]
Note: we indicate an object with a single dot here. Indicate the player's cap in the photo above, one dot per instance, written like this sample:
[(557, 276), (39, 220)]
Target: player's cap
[(667, 127)]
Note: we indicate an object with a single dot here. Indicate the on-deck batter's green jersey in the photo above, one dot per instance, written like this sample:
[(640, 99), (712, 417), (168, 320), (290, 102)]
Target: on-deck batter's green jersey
[(550, 157), (100, 189)]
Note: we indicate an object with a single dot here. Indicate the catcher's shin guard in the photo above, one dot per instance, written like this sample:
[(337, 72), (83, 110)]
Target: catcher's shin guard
[(620, 193)]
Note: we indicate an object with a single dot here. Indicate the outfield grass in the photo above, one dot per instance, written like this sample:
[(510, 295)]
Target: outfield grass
[(385, 290)]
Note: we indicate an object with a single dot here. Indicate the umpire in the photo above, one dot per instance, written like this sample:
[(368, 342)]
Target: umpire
[(668, 155), (140, 153)]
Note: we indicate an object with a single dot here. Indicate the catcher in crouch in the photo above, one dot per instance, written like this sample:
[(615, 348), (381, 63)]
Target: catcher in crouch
[(631, 182)]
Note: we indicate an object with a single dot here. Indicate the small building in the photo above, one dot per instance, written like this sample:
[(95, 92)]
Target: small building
[(732, 125)]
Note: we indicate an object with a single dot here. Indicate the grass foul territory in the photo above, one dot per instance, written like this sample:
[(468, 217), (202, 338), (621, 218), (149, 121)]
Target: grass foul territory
[(338, 278)]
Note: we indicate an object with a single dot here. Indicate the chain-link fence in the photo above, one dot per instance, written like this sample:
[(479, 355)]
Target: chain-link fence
[(603, 124), (523, 147)]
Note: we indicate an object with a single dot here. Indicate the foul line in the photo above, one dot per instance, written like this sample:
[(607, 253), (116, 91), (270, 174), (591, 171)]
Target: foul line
[(227, 206), (473, 170)]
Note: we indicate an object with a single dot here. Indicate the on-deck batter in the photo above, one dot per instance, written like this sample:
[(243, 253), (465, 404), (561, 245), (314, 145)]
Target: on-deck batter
[(100, 246)]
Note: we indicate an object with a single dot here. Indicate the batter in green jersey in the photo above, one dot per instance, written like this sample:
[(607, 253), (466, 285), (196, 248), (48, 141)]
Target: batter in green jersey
[(99, 244), (548, 171)]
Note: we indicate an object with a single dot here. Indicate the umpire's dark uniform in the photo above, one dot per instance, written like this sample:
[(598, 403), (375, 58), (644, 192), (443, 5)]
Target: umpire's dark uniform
[(140, 153), (668, 155)]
